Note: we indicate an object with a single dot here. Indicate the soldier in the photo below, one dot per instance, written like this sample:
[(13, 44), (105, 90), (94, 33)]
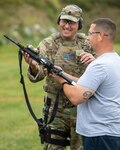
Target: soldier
[(61, 48)]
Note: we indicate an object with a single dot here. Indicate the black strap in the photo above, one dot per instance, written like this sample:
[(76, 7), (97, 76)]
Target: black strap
[(59, 132), (62, 142), (47, 107), (27, 99), (48, 139), (25, 92), (55, 107), (41, 124)]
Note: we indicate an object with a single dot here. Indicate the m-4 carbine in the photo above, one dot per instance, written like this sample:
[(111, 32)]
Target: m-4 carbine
[(41, 60)]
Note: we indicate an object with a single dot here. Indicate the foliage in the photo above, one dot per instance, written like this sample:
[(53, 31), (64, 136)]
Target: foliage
[(86, 5), (17, 17), (89, 4), (110, 2), (11, 3)]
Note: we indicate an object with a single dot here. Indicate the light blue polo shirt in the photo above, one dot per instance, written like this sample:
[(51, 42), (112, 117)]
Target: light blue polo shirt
[(100, 115)]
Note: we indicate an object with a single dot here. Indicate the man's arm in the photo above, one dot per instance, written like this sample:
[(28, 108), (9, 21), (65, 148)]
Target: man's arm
[(77, 94)]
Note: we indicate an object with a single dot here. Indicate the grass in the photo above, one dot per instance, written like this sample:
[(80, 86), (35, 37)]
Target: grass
[(18, 130)]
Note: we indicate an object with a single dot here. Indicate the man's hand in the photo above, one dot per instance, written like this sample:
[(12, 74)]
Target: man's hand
[(52, 74), (86, 58)]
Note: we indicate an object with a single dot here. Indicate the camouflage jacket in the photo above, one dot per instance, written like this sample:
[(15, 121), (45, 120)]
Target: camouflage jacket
[(62, 53)]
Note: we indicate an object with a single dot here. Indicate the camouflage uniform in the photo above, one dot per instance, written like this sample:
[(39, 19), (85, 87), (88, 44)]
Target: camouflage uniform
[(63, 54)]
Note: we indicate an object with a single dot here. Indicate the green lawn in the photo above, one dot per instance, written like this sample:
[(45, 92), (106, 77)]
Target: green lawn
[(18, 130)]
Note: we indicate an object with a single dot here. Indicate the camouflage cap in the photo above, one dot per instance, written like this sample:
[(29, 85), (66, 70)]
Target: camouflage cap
[(71, 12)]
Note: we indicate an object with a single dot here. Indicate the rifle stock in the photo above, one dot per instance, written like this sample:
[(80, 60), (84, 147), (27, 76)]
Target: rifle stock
[(42, 60)]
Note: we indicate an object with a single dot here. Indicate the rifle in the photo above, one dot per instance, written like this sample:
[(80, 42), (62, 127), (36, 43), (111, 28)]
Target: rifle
[(42, 125), (42, 60)]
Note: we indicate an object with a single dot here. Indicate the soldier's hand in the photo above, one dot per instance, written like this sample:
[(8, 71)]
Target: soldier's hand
[(32, 63), (27, 57), (32, 48)]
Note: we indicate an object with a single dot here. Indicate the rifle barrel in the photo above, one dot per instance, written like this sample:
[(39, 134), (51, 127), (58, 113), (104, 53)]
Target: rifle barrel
[(11, 40), (42, 60)]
